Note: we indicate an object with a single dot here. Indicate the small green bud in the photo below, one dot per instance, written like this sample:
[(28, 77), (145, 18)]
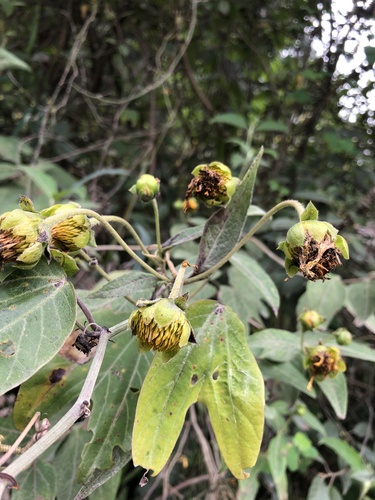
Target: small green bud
[(71, 234), (310, 320), (147, 187), (343, 336), (21, 238), (313, 247), (160, 325), (301, 409), (212, 184), (323, 361)]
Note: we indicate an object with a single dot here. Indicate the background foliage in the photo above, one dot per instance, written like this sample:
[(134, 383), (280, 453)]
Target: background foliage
[(94, 94)]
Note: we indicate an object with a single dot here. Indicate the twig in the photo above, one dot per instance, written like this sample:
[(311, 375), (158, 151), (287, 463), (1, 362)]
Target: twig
[(79, 40), (206, 450), (85, 311), (20, 438), (173, 461), (159, 82), (79, 409)]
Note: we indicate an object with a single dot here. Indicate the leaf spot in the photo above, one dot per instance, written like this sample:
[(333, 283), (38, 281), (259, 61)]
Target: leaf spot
[(219, 309), (170, 413), (57, 283), (194, 379), (215, 375), (7, 349), (57, 375)]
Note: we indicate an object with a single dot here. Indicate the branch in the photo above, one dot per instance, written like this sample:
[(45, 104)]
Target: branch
[(79, 409), (159, 82)]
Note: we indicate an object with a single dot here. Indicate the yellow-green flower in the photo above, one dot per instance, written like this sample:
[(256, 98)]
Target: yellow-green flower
[(313, 247), (323, 361), (71, 234), (160, 325), (212, 184), (21, 240)]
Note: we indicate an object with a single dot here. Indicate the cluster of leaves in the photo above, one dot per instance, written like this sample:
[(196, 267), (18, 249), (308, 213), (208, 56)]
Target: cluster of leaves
[(147, 87)]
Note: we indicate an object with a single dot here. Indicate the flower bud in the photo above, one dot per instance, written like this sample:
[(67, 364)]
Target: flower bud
[(160, 325), (323, 361), (21, 240), (343, 336), (147, 187), (71, 234), (310, 320), (313, 247), (212, 184)]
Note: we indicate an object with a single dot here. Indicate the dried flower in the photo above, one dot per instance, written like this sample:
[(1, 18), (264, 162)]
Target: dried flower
[(323, 361), (313, 247), (212, 184), (161, 325), (21, 240)]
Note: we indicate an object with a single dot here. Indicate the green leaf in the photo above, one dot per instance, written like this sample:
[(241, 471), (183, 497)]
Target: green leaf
[(38, 481), (103, 484), (38, 313), (127, 284), (336, 391), (257, 279), (345, 451), (272, 126), (360, 299), (10, 61), (49, 390), (67, 460), (220, 372), (287, 374), (248, 488), (370, 54), (275, 345), (45, 182), (224, 228), (277, 461), (188, 234), (325, 298), (309, 421), (234, 119), (318, 490), (11, 148), (114, 401)]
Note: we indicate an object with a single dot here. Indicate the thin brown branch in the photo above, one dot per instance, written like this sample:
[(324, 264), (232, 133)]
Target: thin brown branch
[(159, 81)]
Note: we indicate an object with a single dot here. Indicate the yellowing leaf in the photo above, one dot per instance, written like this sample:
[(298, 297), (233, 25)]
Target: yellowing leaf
[(220, 372)]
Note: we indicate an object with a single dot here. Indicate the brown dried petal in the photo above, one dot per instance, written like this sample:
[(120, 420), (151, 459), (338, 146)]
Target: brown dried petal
[(316, 259)]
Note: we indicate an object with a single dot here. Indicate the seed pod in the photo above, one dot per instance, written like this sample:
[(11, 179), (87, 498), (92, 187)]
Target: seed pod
[(161, 325), (21, 238), (310, 320), (147, 187), (343, 336), (73, 233), (313, 247), (323, 361), (212, 184)]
